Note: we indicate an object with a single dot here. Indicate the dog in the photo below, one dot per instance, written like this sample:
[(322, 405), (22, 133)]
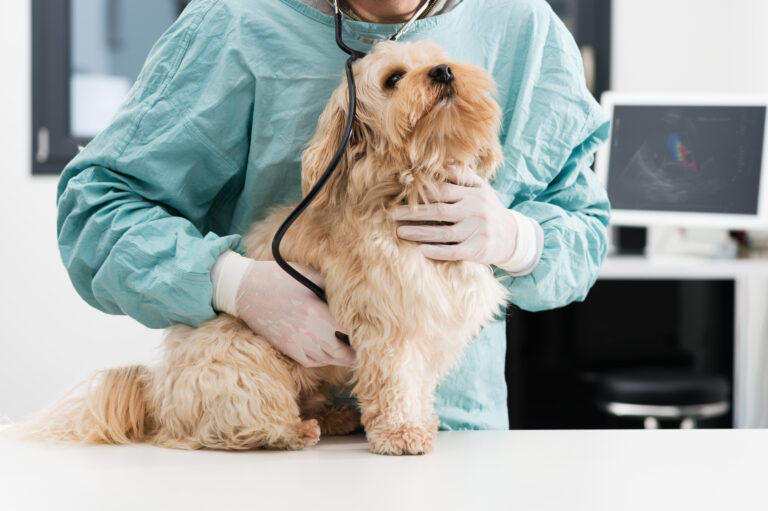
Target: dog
[(409, 318)]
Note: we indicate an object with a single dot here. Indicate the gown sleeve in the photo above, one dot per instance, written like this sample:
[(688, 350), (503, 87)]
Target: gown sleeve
[(135, 206), (550, 137)]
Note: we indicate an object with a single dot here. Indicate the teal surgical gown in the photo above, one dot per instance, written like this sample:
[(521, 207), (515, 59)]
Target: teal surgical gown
[(210, 137)]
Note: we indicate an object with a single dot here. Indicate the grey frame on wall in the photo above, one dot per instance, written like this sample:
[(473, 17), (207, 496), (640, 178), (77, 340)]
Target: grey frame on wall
[(53, 144), (52, 147)]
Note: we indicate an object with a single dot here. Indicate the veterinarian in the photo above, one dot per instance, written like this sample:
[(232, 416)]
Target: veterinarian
[(152, 211)]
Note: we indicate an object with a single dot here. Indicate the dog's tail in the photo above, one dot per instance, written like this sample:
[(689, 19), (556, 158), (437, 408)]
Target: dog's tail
[(111, 408)]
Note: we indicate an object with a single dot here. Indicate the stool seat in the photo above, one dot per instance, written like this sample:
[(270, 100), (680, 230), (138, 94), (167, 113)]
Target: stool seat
[(662, 387)]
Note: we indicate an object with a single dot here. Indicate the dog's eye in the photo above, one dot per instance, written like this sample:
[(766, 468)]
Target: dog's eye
[(393, 79)]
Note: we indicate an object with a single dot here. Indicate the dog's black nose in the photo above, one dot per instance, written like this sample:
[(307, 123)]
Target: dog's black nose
[(442, 73)]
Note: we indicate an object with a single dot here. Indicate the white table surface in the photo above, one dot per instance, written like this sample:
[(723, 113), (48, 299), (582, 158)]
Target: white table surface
[(520, 470)]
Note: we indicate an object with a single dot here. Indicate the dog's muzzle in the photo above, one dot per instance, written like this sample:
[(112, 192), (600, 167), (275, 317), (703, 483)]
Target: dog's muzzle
[(441, 74)]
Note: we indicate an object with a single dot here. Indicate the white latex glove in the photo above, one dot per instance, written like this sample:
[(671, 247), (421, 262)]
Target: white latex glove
[(277, 307), (482, 229)]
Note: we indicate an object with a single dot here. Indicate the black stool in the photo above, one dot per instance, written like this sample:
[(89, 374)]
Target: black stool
[(655, 394)]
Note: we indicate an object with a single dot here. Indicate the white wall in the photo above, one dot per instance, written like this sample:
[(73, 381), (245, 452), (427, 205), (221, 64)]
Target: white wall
[(49, 338), (690, 46)]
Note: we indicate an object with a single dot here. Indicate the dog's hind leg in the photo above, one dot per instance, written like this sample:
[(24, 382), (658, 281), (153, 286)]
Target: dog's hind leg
[(227, 388), (235, 409), (338, 419), (334, 418)]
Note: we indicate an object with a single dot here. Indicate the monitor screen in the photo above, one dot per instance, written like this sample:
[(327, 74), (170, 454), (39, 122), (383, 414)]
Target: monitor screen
[(693, 159)]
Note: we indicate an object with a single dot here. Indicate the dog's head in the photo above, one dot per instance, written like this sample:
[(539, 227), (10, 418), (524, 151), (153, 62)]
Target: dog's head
[(417, 113)]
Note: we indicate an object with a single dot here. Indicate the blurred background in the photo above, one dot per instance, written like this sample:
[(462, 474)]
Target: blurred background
[(694, 329)]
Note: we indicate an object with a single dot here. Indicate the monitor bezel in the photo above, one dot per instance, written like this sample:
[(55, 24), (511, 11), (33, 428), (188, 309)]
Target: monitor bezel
[(643, 218)]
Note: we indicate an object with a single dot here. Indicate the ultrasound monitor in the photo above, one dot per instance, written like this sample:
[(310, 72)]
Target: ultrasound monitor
[(686, 161)]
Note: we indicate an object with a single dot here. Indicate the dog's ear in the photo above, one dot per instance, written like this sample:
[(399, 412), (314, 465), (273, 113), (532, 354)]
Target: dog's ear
[(322, 147), (481, 117), (490, 158)]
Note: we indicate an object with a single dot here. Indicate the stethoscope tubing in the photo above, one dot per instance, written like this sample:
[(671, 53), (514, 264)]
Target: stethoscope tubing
[(347, 135), (299, 209)]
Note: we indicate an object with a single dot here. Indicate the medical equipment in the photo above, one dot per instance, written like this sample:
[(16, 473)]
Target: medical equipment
[(353, 56), (686, 160)]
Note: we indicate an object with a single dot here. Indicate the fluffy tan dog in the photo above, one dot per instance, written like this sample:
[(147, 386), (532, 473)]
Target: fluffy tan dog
[(409, 318)]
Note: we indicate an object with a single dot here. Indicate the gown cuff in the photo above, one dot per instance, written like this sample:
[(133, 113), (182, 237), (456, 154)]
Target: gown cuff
[(528, 247), (226, 275)]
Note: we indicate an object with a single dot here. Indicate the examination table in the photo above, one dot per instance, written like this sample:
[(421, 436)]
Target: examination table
[(474, 470)]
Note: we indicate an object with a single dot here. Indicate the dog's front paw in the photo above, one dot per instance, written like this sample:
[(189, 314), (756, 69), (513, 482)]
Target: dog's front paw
[(405, 439)]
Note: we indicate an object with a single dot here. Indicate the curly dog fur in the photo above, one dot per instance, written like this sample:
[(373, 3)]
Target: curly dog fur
[(409, 318)]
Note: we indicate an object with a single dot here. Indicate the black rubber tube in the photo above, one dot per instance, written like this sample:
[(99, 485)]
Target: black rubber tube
[(299, 209)]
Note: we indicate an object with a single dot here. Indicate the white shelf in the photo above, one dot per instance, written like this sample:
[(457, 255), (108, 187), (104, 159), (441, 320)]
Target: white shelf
[(636, 267)]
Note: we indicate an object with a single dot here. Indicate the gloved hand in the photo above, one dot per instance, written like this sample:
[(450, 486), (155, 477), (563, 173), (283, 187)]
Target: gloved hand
[(483, 230), (277, 307)]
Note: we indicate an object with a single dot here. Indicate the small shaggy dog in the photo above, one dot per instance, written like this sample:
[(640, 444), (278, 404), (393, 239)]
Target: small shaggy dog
[(409, 318)]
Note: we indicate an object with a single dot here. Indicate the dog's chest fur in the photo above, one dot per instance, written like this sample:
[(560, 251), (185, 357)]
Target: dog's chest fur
[(384, 286)]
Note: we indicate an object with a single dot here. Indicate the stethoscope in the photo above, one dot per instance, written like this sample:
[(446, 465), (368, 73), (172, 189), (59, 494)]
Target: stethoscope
[(353, 56)]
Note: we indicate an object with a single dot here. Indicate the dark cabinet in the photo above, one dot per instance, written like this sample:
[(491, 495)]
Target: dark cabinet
[(590, 23), (553, 357)]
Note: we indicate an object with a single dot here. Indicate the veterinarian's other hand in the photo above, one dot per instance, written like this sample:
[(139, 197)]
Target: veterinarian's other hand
[(290, 316), (482, 229)]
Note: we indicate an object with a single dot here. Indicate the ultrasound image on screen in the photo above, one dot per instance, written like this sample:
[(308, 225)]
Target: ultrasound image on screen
[(698, 159)]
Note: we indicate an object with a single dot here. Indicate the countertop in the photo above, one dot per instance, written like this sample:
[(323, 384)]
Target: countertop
[(521, 470)]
